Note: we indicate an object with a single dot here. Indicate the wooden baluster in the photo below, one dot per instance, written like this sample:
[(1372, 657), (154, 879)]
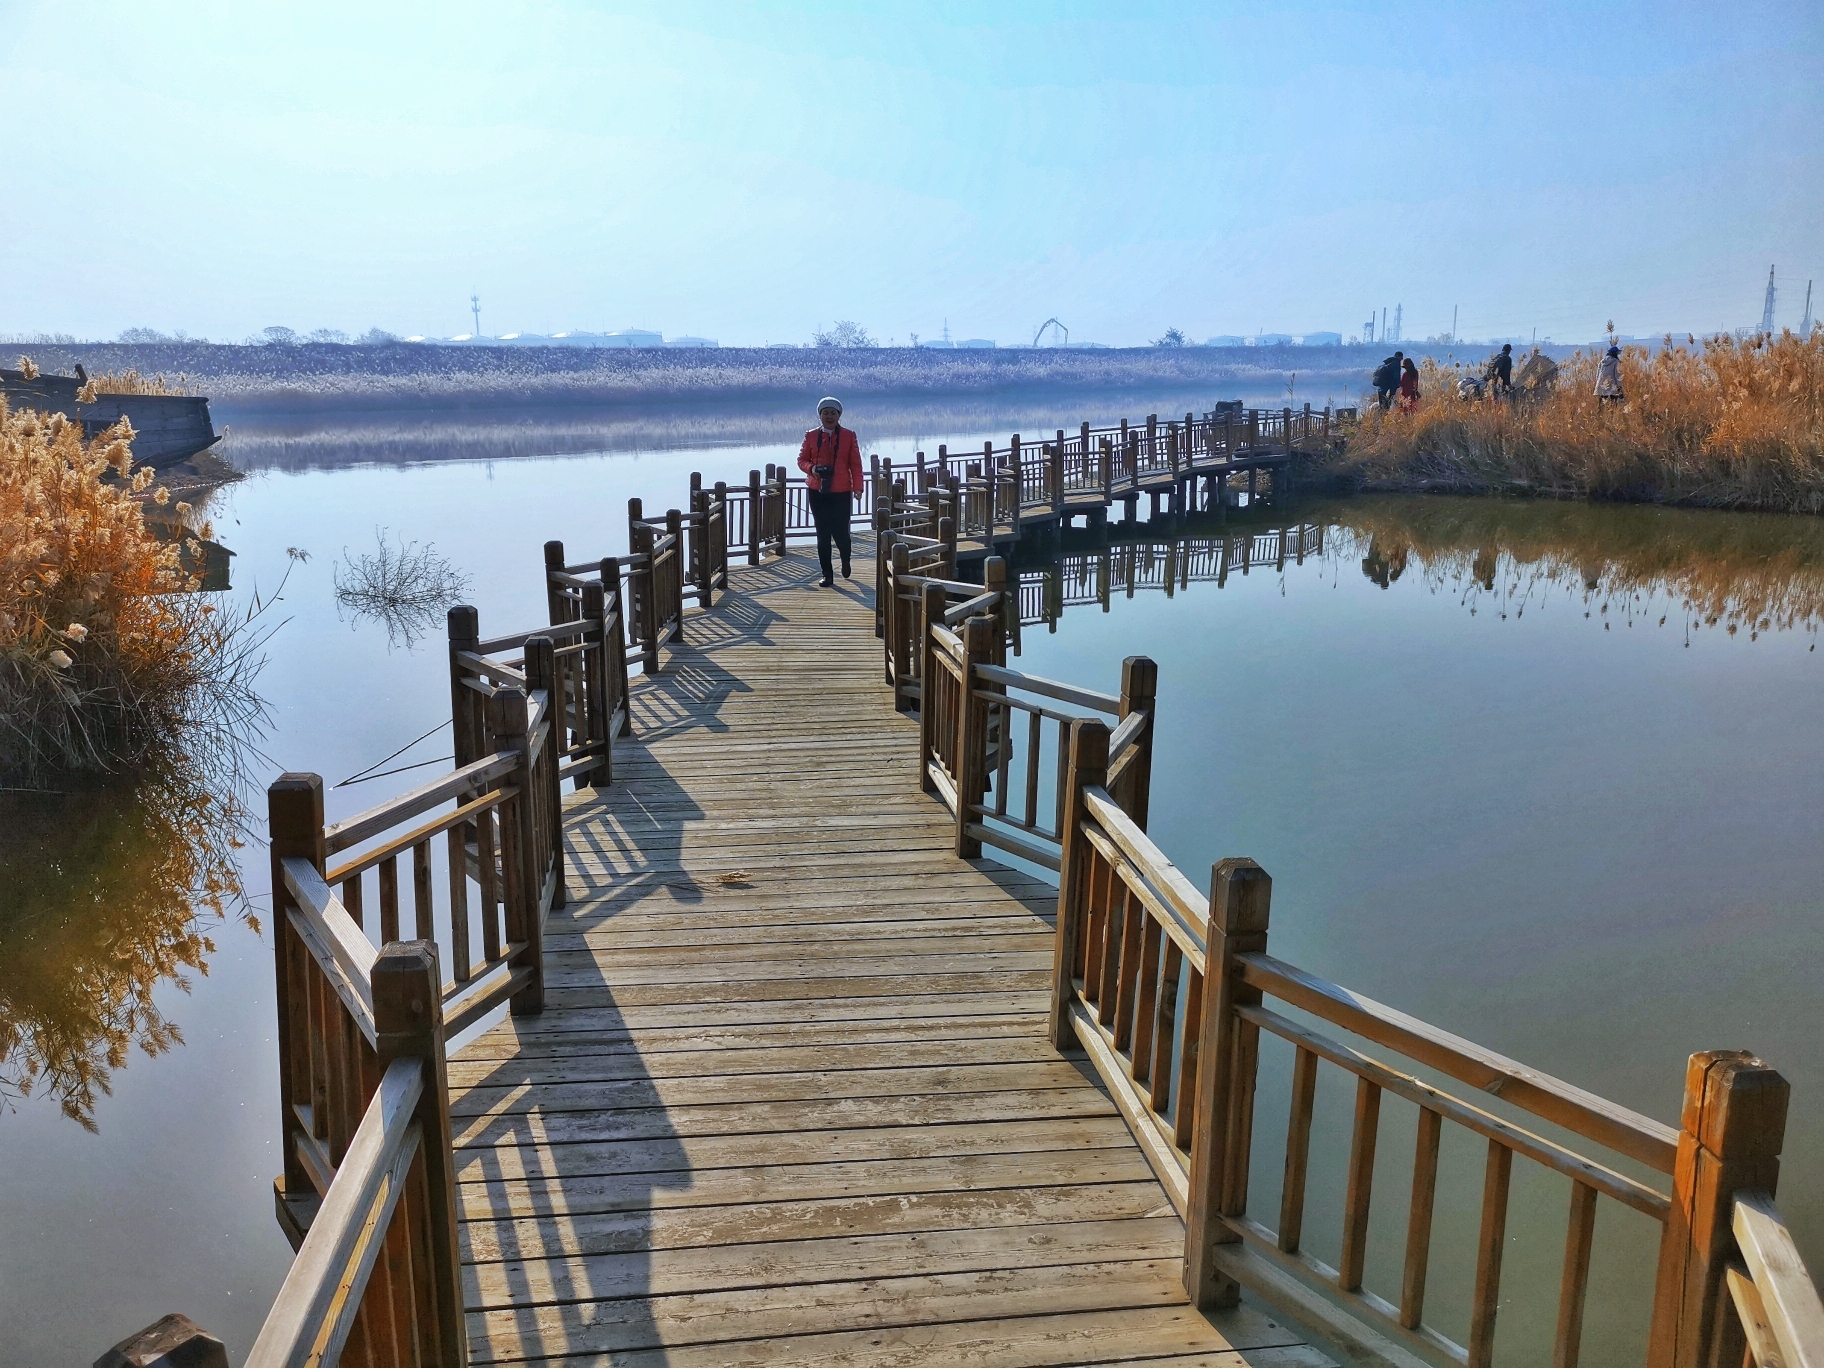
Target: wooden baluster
[(1086, 761), (456, 850), (1134, 921), (1731, 1128), (1165, 1027), (1418, 1220), (1491, 1242), (971, 735), (1034, 723), (1298, 1150), (1112, 909), (1361, 1185), (491, 864), (719, 543), (946, 536), (1240, 898), (408, 1019), (421, 890), (1146, 999), (294, 818), (1574, 1282), (389, 899), (351, 898)]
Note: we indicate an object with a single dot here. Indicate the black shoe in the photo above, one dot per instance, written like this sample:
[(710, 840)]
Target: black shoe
[(826, 584), (845, 571)]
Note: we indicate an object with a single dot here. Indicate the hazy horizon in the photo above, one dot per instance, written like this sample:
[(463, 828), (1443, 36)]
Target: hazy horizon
[(754, 173)]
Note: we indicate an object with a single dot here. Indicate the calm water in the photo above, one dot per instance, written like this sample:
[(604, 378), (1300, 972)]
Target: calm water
[(1590, 841)]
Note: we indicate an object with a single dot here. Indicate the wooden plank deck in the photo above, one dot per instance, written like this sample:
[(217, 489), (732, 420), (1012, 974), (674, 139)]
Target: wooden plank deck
[(791, 1100)]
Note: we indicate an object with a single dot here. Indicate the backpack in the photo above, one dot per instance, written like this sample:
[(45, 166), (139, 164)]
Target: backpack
[(1388, 376)]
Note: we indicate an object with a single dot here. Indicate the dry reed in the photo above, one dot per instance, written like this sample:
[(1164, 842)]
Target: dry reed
[(1728, 424), (107, 657)]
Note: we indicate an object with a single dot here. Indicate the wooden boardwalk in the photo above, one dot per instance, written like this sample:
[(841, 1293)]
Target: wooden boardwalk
[(791, 1100)]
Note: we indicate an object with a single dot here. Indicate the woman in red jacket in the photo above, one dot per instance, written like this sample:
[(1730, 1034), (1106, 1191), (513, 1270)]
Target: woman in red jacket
[(831, 461)]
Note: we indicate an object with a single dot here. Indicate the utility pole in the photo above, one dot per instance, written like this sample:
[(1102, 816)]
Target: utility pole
[(1398, 309), (1453, 322), (1805, 323), (475, 308), (1767, 308)]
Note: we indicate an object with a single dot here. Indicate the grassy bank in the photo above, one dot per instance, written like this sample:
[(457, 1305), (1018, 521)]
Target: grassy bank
[(1724, 424)]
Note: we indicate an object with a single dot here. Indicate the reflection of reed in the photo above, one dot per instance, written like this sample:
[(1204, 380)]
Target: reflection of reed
[(1759, 572), (108, 894)]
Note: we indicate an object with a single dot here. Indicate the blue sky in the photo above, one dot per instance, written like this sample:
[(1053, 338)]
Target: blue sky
[(752, 171)]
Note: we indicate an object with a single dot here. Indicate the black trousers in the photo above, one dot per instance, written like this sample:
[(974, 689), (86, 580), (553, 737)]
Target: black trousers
[(831, 514)]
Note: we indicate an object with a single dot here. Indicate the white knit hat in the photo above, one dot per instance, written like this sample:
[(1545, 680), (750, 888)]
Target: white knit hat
[(829, 402)]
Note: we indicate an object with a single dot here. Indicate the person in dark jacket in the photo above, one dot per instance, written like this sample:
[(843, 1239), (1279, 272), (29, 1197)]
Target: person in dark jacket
[(1387, 378), (1501, 370), (831, 461)]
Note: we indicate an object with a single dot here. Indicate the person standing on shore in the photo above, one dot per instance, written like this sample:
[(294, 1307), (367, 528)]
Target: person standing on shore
[(1501, 371), (1608, 377), (831, 461), (1409, 387), (1387, 379)]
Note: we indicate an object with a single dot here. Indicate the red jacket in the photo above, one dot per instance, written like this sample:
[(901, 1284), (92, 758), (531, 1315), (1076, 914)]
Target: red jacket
[(839, 449)]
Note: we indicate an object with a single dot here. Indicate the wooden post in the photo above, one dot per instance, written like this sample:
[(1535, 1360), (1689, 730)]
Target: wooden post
[(645, 618), (507, 715), (555, 602), (294, 820), (933, 606), (541, 674), (1139, 694), (1086, 766), (883, 521), (408, 1024), (1730, 1132), (615, 592), (1057, 475), (899, 644), (700, 563), (946, 536), (465, 635), (753, 517), (592, 697), (994, 581), (1152, 440), (719, 542), (674, 528), (1107, 451), (972, 735), (1240, 895)]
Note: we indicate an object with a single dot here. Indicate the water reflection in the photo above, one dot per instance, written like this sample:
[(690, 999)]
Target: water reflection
[(109, 895), (1740, 572)]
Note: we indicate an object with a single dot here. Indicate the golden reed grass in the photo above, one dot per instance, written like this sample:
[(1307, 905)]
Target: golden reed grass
[(106, 656), (1728, 424)]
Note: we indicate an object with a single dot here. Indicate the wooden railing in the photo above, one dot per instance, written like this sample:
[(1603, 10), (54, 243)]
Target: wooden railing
[(1167, 990)]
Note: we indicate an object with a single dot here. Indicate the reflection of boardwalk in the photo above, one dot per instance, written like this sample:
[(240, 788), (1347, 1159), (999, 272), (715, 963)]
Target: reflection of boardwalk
[(791, 1098)]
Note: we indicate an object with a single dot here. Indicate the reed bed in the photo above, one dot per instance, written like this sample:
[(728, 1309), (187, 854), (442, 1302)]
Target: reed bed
[(1725, 424), (108, 658)]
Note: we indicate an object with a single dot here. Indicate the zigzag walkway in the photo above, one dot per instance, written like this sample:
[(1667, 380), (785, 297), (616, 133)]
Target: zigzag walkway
[(791, 1099)]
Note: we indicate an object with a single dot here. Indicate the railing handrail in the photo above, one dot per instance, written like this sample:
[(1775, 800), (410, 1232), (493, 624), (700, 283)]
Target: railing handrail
[(1774, 1293), (311, 1317)]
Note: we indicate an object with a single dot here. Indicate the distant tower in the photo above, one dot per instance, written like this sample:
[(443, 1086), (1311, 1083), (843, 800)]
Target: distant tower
[(946, 332), (1397, 310), (1368, 329), (1767, 308), (475, 308), (1383, 322), (1805, 323)]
